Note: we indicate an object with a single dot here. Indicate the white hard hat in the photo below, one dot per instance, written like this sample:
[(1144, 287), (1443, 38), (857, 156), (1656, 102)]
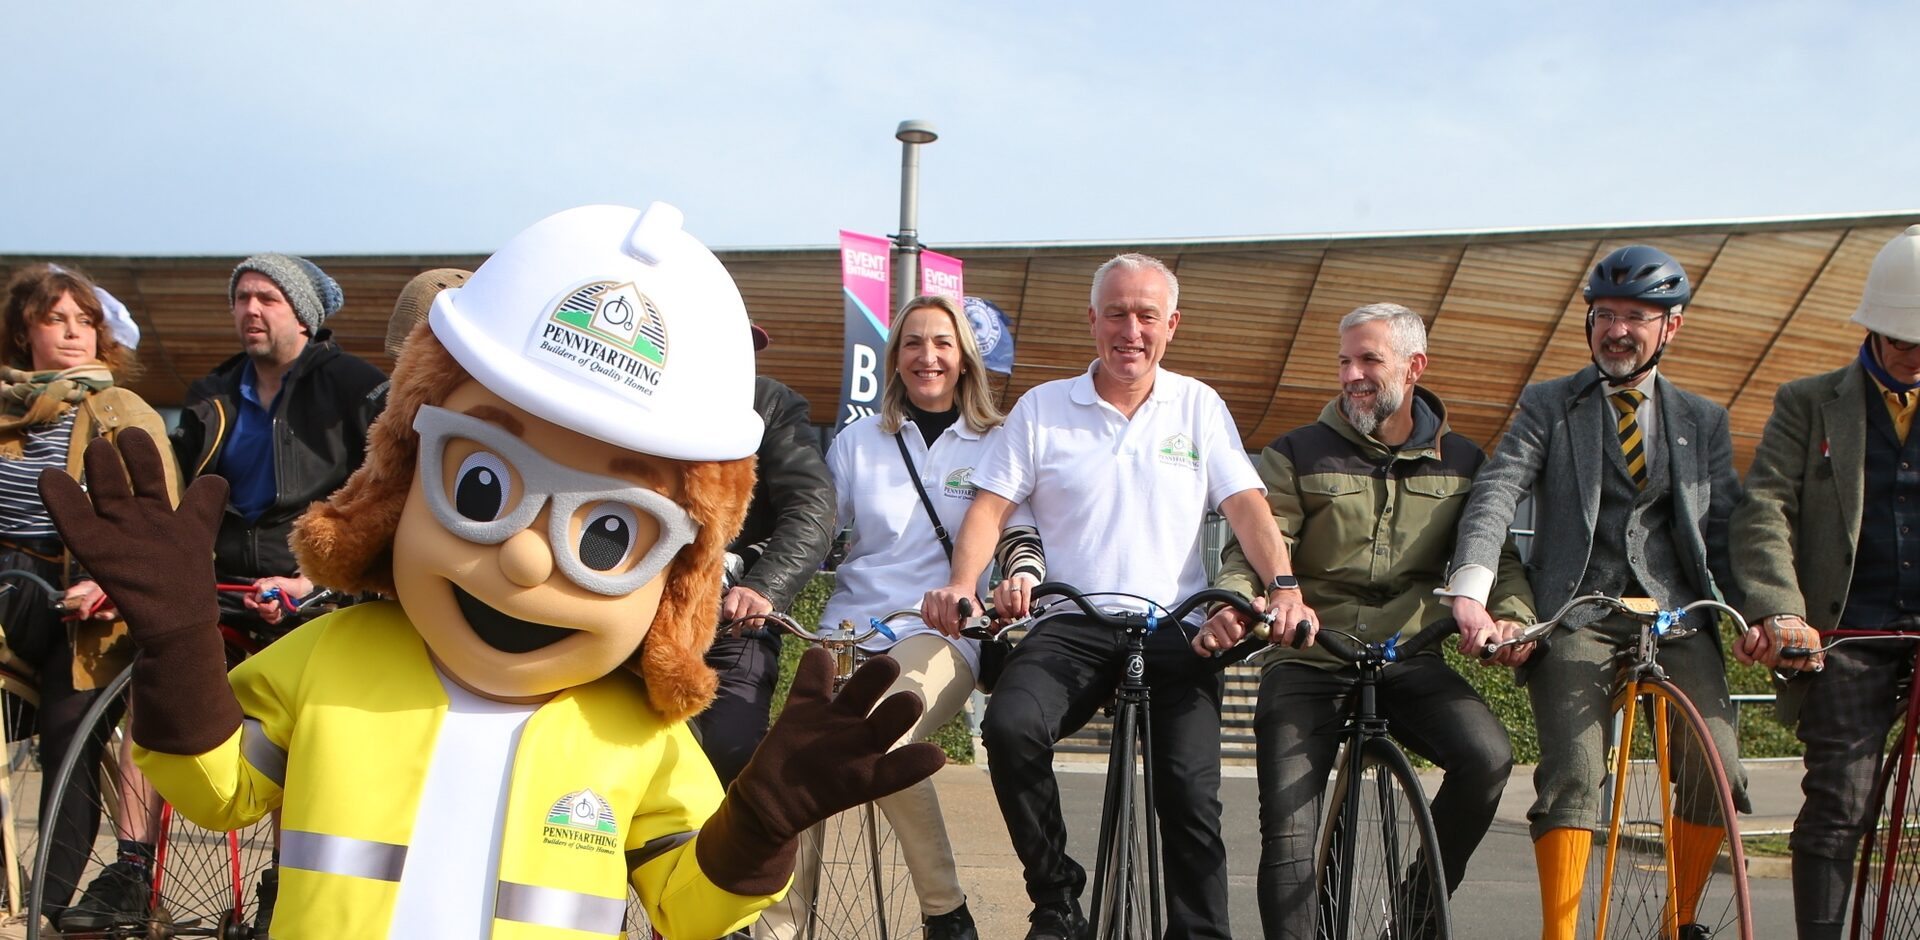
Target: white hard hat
[(1890, 305), (617, 324)]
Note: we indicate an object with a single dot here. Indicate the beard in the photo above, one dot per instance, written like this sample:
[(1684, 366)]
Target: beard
[(1618, 358), (1386, 401)]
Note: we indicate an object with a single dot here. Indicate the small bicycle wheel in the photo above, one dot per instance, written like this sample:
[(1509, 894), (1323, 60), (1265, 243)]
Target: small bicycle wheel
[(1125, 905), (20, 779), (850, 883), (1656, 865), (1886, 890), (1378, 870), (203, 884)]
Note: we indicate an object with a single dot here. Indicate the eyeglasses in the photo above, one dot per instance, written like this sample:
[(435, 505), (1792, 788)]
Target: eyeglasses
[(479, 507), (1608, 318), (1899, 345)]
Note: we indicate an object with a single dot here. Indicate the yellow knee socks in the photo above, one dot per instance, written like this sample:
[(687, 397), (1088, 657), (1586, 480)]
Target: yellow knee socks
[(1561, 857), (1695, 847)]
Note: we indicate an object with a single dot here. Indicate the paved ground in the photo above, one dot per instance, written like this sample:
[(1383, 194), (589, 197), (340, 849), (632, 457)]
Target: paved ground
[(1500, 895)]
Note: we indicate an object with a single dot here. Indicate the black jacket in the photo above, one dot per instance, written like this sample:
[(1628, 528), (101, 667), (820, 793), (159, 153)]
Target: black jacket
[(319, 438), (789, 524)]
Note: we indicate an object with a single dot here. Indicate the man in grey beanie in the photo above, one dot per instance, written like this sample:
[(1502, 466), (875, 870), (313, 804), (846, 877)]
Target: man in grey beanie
[(285, 422)]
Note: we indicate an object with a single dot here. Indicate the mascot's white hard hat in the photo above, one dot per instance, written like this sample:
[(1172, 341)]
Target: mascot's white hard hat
[(1890, 305), (617, 324)]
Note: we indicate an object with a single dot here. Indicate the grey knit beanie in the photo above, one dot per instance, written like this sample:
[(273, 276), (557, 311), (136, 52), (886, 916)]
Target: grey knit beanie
[(313, 295)]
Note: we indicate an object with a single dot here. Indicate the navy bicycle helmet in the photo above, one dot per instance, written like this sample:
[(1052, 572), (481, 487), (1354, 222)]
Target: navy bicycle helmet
[(1640, 272)]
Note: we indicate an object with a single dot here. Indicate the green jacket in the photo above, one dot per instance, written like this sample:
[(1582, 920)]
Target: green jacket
[(1370, 529)]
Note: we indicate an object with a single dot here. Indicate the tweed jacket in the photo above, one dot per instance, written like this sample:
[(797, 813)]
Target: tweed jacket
[(1555, 450), (1796, 529)]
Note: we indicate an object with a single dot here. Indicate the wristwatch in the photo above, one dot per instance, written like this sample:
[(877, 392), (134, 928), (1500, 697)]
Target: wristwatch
[(1283, 582)]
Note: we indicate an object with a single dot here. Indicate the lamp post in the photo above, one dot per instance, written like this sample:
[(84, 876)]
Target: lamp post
[(911, 135)]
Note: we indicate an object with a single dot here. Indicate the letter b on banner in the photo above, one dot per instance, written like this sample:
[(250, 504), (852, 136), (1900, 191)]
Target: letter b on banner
[(866, 374)]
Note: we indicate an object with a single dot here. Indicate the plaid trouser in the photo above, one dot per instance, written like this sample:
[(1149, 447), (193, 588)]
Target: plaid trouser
[(1849, 708)]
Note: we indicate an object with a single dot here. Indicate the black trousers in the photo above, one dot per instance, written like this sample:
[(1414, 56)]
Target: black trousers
[(38, 636), (1850, 707), (1054, 681), (1430, 710), (733, 725)]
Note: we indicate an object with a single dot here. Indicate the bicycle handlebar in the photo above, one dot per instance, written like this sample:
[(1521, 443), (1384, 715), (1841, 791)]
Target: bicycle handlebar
[(1359, 652), (1665, 623), (979, 627)]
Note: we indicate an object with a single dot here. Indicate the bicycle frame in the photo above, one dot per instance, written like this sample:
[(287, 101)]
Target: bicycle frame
[(1132, 698), (1131, 711), (1365, 724)]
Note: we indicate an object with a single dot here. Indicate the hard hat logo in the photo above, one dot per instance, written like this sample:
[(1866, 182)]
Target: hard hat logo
[(608, 330)]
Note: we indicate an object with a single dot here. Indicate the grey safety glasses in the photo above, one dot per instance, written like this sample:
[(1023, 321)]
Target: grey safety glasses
[(480, 508)]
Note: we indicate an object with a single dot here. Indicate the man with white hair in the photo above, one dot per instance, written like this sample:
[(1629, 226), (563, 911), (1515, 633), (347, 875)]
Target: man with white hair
[(1368, 497), (1119, 466)]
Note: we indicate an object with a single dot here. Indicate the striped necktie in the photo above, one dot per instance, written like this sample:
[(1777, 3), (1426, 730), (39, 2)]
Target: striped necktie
[(1632, 446)]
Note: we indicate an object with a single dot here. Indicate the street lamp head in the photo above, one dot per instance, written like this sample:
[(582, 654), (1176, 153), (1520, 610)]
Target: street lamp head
[(916, 132)]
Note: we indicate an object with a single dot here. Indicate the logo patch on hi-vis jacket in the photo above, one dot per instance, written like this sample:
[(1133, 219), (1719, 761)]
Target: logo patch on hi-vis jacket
[(608, 330), (582, 820), (1178, 451), (959, 484)]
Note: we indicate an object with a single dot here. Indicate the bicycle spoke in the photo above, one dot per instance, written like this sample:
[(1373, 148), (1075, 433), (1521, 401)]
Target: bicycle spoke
[(851, 883), (1888, 888), (1666, 856), (1391, 861)]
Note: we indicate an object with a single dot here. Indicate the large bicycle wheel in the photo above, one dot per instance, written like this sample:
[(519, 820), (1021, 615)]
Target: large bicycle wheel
[(1886, 889), (203, 883), (1126, 905), (19, 786), (851, 883), (1378, 872), (1670, 854)]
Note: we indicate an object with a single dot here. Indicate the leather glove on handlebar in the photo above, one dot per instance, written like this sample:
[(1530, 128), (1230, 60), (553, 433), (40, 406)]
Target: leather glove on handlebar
[(156, 562), (824, 755)]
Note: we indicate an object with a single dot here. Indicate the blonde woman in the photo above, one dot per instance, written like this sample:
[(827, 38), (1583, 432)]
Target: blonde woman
[(937, 416)]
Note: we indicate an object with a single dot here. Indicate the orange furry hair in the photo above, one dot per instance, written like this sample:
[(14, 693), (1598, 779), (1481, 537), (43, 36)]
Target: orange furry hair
[(346, 543)]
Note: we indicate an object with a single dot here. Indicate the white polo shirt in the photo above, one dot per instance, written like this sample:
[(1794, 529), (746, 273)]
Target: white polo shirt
[(1119, 503), (893, 558)]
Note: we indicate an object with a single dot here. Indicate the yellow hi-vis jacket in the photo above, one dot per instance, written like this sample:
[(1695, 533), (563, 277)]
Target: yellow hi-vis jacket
[(340, 722)]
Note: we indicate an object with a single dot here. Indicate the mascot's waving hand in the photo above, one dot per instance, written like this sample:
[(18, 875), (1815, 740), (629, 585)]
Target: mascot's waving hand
[(501, 750)]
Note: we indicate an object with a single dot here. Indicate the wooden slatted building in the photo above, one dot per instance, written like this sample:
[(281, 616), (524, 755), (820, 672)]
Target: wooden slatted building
[(1772, 299)]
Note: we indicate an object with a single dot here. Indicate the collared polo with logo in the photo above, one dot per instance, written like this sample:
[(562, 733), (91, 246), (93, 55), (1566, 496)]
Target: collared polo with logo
[(1119, 501)]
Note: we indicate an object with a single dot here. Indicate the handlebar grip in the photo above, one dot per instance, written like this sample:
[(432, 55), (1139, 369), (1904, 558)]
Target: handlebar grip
[(1489, 650), (1339, 646), (966, 608), (1300, 633), (1795, 652), (1429, 636)]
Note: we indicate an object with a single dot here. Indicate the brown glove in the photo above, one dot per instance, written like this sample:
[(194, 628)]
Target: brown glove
[(826, 754), (156, 563)]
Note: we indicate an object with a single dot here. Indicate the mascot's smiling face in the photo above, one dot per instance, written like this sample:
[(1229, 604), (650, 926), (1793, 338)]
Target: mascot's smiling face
[(531, 558)]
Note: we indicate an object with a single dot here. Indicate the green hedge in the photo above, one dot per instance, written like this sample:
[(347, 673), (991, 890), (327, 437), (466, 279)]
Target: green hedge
[(1760, 734), (954, 737)]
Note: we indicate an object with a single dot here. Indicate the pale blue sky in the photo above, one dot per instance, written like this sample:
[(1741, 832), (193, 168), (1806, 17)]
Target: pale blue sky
[(396, 127)]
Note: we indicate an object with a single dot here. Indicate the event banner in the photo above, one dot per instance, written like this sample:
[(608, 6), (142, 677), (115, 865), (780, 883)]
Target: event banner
[(940, 275), (865, 277)]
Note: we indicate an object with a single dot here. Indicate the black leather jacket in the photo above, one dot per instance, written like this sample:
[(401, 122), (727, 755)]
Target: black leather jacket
[(789, 524), (319, 438)]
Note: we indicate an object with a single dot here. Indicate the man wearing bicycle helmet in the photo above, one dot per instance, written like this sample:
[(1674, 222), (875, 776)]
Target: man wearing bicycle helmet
[(1632, 483), (1119, 467), (1827, 538), (1368, 498), (502, 750)]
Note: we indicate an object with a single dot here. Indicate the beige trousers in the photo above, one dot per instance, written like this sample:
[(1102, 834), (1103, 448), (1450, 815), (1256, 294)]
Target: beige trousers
[(933, 669)]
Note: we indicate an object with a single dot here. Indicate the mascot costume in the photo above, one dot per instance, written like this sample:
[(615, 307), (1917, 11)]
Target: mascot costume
[(501, 749)]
